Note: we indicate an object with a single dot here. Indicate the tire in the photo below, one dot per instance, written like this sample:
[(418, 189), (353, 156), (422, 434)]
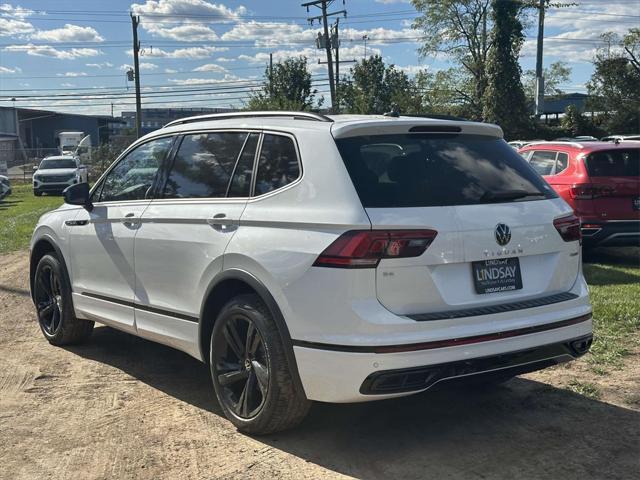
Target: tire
[(37, 194), (54, 307), (257, 394)]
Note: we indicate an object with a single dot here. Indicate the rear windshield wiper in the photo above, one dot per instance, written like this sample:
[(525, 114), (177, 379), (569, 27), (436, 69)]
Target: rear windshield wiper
[(509, 195)]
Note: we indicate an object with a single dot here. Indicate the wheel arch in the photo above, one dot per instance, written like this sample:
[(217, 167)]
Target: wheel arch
[(228, 284), (43, 246)]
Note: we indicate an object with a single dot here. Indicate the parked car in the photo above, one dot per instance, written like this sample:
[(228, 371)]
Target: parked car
[(601, 182), (306, 257), (56, 173), (620, 138), (5, 187)]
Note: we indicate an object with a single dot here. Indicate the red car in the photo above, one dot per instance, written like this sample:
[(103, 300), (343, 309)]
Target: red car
[(600, 180)]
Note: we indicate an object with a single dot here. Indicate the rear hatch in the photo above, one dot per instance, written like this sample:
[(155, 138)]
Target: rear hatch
[(615, 182), (496, 241)]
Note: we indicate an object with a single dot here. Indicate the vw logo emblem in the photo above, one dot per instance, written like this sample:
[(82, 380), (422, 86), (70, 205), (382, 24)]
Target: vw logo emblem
[(503, 234)]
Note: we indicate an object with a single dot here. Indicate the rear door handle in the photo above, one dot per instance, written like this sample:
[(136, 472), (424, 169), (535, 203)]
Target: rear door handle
[(221, 223)]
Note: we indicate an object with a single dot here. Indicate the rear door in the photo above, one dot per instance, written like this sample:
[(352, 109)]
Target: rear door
[(615, 179), (492, 212), (184, 233)]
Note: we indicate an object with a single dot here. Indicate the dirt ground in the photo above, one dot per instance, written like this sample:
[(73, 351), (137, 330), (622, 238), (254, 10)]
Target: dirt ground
[(122, 407)]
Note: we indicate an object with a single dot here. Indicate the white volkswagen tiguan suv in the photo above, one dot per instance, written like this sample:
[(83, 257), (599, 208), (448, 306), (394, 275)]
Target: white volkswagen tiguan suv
[(305, 257)]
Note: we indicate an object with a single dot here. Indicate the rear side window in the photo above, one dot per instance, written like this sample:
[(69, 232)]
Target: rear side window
[(543, 161), (204, 164), (424, 170), (562, 162), (614, 163), (278, 164)]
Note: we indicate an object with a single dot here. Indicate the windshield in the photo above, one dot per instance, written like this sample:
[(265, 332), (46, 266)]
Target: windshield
[(424, 170), (57, 163), (614, 163)]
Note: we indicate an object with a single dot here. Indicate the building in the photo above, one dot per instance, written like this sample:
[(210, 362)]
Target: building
[(155, 118), (27, 134)]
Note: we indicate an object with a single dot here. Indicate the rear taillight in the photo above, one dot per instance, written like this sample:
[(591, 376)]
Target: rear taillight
[(589, 191), (365, 248), (569, 228)]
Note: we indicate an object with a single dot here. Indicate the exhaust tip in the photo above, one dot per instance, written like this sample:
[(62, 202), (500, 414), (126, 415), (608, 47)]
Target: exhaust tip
[(581, 345)]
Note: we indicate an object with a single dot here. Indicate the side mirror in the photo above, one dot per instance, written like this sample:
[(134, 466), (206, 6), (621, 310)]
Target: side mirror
[(35, 167), (78, 194)]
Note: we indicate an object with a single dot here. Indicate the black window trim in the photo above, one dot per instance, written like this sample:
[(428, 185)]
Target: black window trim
[(255, 197), (168, 165), (100, 182), (554, 170)]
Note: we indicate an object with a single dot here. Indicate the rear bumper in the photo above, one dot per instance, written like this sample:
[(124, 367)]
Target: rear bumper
[(611, 234), (509, 364), (355, 376)]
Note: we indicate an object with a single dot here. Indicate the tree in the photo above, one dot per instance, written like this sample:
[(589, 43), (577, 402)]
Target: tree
[(614, 87), (444, 92), (504, 101), (573, 121), (289, 88), (374, 87), (557, 74), (461, 30)]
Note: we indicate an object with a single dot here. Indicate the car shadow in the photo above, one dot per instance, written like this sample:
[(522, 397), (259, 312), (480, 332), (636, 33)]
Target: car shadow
[(524, 429), (601, 275), (622, 256)]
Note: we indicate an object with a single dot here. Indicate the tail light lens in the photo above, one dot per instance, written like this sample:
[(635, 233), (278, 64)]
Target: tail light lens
[(569, 228), (589, 191), (365, 248)]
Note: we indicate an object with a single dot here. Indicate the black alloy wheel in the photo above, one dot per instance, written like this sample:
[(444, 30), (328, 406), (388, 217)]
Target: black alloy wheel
[(49, 300), (241, 366)]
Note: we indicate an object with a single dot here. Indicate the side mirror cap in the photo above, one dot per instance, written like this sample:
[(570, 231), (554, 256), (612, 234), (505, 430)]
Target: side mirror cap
[(78, 194)]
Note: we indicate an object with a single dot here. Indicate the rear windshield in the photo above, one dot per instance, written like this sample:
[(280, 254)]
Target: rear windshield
[(59, 163), (614, 163), (425, 170)]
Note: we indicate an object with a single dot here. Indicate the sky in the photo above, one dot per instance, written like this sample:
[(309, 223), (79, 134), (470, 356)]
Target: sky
[(199, 53)]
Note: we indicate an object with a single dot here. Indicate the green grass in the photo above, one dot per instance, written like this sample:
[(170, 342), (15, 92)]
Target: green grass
[(586, 389), (614, 287), (19, 213)]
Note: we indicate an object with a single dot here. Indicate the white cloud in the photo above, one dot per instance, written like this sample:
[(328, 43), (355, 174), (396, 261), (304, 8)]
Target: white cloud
[(142, 65), (10, 70), (211, 67), (10, 28), (100, 65), (170, 70), (68, 33), (189, 53), (72, 74), (204, 81), (18, 12), (225, 59), (49, 51), (67, 84), (184, 20), (573, 33)]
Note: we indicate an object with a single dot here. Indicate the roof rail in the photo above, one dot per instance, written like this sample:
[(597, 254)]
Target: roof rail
[(551, 142), (225, 116)]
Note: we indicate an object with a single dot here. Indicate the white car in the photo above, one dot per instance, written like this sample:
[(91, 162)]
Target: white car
[(301, 262), (5, 187), (56, 173)]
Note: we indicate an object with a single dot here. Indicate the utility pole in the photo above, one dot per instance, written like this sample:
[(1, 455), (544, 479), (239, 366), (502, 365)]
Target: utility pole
[(135, 21), (365, 38), (539, 71), (325, 41), (271, 76)]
